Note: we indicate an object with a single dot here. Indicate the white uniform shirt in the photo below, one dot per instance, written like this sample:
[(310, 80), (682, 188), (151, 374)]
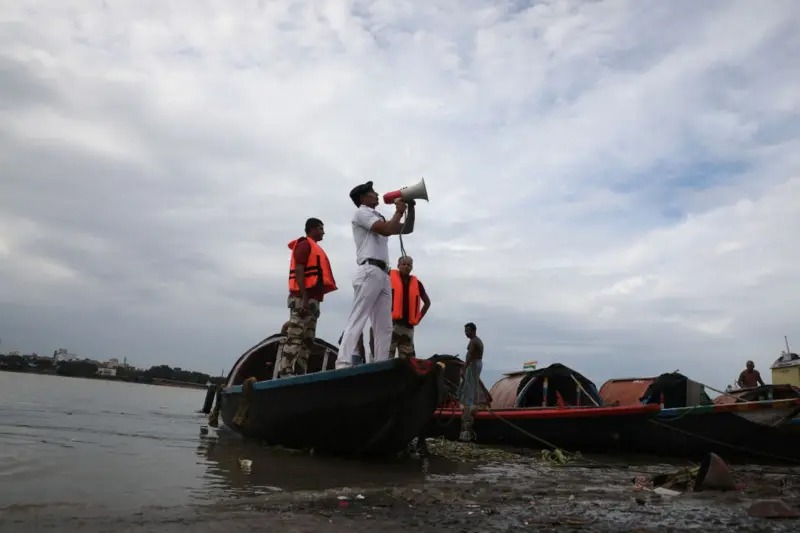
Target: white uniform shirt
[(368, 243)]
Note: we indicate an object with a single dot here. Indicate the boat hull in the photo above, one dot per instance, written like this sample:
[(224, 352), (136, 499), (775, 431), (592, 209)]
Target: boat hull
[(751, 431), (375, 408), (586, 429)]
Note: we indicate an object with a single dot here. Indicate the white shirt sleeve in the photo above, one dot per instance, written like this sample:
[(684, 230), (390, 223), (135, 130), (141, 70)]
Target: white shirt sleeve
[(366, 218)]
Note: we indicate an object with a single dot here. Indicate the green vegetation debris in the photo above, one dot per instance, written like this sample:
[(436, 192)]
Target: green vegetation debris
[(558, 456), (467, 451)]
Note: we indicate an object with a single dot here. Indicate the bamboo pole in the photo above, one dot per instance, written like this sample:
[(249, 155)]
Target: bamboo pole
[(578, 383)]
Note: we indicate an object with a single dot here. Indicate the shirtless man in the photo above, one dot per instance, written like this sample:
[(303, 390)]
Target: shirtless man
[(750, 378), (471, 387)]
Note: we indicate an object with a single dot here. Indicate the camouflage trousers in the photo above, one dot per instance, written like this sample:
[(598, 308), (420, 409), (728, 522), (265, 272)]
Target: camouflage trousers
[(402, 342), (299, 337)]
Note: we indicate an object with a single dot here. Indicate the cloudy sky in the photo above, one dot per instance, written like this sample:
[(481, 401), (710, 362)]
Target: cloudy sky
[(613, 185)]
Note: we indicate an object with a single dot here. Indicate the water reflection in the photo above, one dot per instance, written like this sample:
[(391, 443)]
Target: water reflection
[(275, 469)]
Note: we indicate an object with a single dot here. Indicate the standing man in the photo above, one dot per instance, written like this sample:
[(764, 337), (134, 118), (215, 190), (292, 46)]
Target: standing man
[(310, 279), (407, 291), (372, 290), (471, 392), (470, 384), (750, 378)]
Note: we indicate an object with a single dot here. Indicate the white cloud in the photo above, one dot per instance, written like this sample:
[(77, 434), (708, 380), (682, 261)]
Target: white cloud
[(611, 186)]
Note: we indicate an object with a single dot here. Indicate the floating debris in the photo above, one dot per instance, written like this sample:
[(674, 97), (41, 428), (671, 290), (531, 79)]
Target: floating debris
[(245, 465)]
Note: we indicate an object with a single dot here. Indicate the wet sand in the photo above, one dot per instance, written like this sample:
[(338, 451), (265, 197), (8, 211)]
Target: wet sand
[(520, 494)]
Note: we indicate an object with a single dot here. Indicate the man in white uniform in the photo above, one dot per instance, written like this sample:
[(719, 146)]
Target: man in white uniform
[(372, 288)]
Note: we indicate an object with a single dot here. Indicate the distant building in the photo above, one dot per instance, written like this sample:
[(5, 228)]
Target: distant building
[(106, 372), (62, 354)]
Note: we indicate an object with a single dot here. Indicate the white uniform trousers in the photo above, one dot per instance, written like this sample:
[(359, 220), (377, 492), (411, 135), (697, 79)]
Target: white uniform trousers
[(372, 300)]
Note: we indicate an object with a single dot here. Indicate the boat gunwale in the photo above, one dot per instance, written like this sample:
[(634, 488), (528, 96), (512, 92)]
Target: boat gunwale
[(324, 375), (755, 405), (556, 412)]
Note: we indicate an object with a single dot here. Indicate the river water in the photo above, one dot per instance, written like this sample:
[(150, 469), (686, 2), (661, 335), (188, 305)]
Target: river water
[(92, 455), (70, 445)]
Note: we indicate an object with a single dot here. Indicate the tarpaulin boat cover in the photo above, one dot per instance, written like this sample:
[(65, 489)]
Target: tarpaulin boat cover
[(676, 390), (526, 389)]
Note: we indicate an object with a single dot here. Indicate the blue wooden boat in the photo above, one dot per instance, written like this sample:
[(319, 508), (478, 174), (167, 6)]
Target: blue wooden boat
[(374, 408)]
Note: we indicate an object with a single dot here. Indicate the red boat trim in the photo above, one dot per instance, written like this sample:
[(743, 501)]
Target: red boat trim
[(528, 413), (420, 366), (757, 405)]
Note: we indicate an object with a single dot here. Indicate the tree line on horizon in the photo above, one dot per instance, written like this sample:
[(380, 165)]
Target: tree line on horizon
[(86, 368)]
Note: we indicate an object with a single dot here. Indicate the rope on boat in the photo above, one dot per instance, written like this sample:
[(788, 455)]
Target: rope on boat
[(557, 454), (243, 409), (728, 445), (213, 418)]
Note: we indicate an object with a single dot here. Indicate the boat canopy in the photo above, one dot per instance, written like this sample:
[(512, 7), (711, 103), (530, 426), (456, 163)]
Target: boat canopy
[(677, 391), (259, 361), (787, 359), (526, 389), (625, 391)]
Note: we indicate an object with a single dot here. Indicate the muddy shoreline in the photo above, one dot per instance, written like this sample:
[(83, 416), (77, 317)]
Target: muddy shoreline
[(505, 493)]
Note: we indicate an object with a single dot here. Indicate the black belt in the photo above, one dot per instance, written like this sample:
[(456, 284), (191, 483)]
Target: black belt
[(377, 262)]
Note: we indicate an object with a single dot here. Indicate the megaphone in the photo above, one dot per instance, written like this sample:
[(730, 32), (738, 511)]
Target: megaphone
[(413, 192)]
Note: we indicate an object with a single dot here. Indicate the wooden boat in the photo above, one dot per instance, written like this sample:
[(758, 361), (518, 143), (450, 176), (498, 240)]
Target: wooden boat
[(690, 424), (763, 392), (552, 406), (374, 408), (780, 391)]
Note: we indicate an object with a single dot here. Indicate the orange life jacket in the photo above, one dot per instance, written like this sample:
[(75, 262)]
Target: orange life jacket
[(399, 301), (318, 269)]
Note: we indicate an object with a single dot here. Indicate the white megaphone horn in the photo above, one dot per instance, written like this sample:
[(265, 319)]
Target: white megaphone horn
[(413, 192)]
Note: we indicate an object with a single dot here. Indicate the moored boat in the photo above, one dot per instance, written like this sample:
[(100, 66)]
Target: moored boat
[(373, 408), (553, 406), (691, 425)]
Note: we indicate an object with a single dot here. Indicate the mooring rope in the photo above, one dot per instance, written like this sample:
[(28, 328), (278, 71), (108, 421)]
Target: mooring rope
[(721, 443), (566, 453), (692, 434)]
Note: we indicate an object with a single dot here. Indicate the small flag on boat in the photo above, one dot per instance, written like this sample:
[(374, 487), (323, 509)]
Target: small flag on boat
[(530, 365)]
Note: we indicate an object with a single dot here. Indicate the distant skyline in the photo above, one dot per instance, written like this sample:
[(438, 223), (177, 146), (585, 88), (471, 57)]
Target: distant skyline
[(613, 185)]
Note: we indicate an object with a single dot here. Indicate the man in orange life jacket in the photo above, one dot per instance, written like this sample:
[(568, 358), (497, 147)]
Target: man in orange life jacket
[(407, 291), (310, 279)]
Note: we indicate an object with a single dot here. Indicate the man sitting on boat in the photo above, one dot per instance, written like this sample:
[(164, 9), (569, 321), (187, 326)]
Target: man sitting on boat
[(310, 279), (407, 292), (750, 378)]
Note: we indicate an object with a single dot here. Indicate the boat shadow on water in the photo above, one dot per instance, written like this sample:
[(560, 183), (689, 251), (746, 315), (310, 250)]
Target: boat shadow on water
[(245, 467)]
